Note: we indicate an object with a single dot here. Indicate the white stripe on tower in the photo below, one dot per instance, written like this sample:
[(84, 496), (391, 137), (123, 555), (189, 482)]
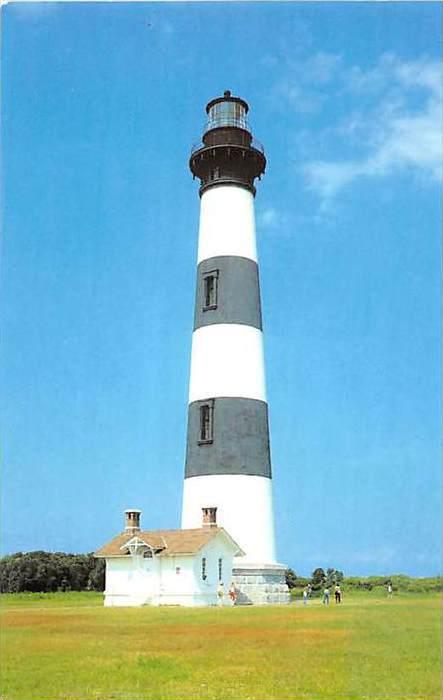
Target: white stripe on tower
[(227, 360), (227, 223)]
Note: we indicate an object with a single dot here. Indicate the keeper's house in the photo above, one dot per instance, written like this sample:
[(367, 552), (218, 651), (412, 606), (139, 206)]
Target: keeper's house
[(169, 567)]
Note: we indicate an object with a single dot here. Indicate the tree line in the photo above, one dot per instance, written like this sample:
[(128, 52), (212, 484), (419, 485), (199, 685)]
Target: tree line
[(48, 572), (319, 579), (45, 572)]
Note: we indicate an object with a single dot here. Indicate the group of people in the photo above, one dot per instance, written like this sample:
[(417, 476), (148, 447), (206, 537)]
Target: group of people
[(307, 592), (337, 593), (232, 593)]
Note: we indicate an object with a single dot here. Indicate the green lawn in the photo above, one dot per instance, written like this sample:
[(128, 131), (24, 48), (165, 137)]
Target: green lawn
[(69, 646)]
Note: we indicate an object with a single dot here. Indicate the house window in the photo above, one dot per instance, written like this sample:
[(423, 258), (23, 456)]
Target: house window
[(210, 290), (204, 568), (220, 569), (177, 570), (206, 422)]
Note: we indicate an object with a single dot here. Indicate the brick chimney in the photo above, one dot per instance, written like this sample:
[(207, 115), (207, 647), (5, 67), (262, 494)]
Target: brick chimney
[(209, 517), (132, 520)]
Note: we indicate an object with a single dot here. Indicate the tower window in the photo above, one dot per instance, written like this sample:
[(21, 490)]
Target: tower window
[(210, 290), (204, 568), (220, 569), (206, 422)]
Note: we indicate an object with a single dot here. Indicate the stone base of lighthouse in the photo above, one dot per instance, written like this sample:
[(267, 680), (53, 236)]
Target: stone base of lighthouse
[(260, 584)]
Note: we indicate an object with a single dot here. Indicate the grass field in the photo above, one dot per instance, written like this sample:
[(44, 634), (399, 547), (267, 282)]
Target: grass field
[(67, 645)]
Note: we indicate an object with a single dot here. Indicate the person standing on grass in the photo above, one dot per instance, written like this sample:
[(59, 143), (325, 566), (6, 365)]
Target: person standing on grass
[(389, 589), (337, 594), (232, 593), (305, 596), (326, 596), (220, 593)]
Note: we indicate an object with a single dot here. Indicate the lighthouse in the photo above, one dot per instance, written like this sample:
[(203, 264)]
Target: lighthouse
[(228, 463)]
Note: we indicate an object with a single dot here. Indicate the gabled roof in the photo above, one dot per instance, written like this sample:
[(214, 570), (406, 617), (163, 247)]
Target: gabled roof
[(167, 542), (136, 542)]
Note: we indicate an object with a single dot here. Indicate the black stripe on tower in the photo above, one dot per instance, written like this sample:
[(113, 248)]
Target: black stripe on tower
[(228, 436), (228, 291)]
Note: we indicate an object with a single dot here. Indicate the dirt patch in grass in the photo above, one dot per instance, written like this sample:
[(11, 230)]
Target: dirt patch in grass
[(31, 618)]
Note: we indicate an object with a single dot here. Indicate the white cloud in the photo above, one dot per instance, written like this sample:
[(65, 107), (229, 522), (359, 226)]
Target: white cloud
[(423, 73), (270, 218), (304, 79), (402, 133), (321, 68), (391, 70), (328, 178)]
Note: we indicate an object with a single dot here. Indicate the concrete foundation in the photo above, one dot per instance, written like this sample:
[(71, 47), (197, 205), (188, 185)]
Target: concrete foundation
[(260, 584)]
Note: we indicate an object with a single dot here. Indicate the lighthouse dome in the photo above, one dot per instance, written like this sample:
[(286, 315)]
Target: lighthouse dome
[(227, 111)]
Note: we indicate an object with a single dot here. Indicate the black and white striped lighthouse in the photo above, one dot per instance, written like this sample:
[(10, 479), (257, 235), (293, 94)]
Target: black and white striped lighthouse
[(228, 458)]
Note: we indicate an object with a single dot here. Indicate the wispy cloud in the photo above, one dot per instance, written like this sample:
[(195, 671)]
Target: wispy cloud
[(270, 218), (302, 86), (402, 132)]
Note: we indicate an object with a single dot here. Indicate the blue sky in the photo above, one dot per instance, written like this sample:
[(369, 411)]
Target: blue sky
[(102, 103)]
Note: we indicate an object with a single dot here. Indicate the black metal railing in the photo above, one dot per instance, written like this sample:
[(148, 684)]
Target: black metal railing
[(229, 141)]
